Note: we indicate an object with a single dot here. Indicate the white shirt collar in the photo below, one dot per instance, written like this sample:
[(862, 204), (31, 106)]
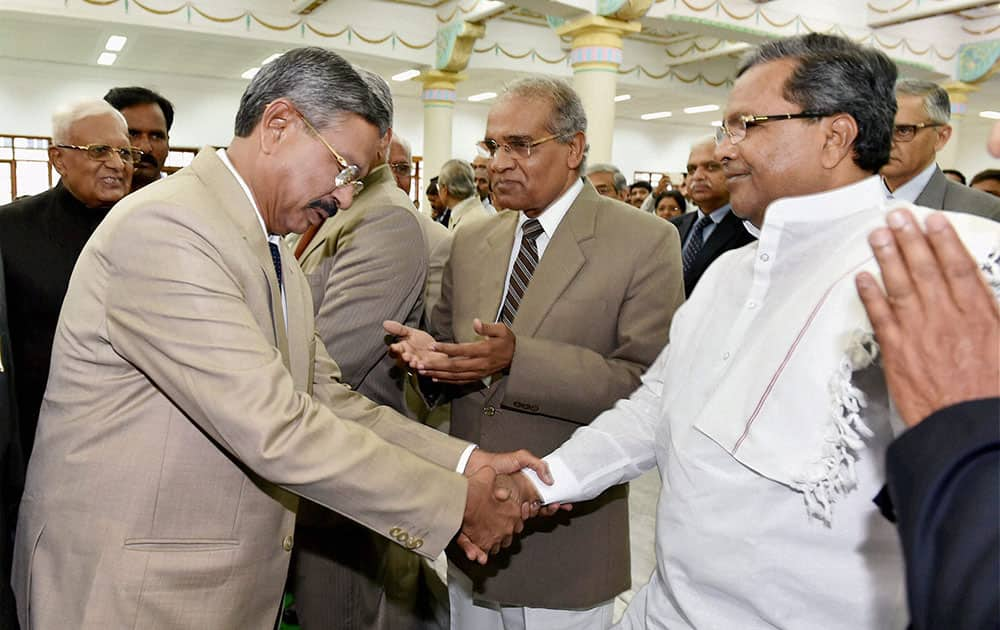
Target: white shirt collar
[(274, 238), (552, 216), (912, 189)]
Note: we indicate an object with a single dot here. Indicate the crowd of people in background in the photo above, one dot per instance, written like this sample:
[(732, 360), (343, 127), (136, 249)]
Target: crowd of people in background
[(177, 435)]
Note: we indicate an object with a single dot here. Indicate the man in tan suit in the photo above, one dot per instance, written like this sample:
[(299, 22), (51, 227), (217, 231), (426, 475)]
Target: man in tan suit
[(457, 189), (602, 283), (365, 266), (190, 401)]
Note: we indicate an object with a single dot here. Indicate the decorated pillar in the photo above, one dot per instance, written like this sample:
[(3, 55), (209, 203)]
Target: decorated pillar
[(439, 105), (596, 56), (958, 94)]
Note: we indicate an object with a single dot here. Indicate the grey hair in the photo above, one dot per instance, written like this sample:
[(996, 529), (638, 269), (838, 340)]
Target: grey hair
[(64, 117), (321, 84), (568, 116), (937, 105), (835, 75), (619, 180), (403, 142), (458, 176), (379, 88)]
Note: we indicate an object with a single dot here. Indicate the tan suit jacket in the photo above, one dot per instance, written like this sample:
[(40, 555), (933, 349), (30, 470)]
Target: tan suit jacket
[(594, 316), (466, 211), (181, 420)]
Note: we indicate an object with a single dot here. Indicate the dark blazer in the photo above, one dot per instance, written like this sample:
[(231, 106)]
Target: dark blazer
[(728, 234), (941, 193), (942, 477), (11, 464), (595, 315)]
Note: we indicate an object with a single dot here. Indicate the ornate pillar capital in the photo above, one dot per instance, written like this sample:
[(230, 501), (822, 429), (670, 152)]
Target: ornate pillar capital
[(597, 41), (439, 86), (958, 94)]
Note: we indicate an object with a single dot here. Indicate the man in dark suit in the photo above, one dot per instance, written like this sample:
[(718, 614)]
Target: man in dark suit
[(921, 130), (942, 473), (572, 335), (11, 464), (714, 229)]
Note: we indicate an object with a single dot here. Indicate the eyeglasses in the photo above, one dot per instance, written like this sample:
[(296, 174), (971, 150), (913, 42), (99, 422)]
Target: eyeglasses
[(103, 152), (349, 173), (737, 128), (400, 168), (517, 148), (906, 133)]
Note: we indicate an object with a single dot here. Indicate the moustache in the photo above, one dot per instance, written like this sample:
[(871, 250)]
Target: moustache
[(329, 207), (149, 159)]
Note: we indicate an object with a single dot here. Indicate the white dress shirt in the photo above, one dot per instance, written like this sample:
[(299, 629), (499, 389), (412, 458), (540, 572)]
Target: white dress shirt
[(769, 434), (912, 189)]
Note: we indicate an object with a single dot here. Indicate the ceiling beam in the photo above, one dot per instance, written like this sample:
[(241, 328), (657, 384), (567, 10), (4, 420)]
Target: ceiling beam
[(879, 17)]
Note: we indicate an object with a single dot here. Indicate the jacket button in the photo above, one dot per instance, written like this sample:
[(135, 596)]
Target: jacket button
[(489, 411), (415, 543), (286, 544)]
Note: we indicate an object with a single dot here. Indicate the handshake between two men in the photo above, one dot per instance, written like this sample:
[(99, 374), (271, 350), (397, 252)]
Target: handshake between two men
[(500, 497)]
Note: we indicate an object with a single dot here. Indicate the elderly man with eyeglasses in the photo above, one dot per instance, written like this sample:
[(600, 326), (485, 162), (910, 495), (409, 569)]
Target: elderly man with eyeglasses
[(769, 432), (556, 308), (190, 401), (922, 129)]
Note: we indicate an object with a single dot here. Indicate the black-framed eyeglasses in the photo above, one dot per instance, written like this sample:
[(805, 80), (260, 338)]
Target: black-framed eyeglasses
[(519, 148), (906, 133), (400, 168), (103, 152), (736, 129), (349, 174)]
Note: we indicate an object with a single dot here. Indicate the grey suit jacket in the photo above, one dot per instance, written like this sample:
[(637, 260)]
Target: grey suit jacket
[(593, 318), (184, 413), (943, 194), (367, 264)]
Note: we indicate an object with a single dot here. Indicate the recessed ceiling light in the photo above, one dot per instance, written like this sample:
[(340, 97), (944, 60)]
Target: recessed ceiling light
[(482, 96), (106, 59), (990, 114), (716, 123), (700, 109), (655, 115), (406, 75), (116, 43), (622, 97), (271, 58), (251, 73)]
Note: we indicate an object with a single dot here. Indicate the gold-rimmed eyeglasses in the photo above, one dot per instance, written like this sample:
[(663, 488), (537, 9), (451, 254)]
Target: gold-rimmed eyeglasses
[(736, 129), (349, 174), (400, 168), (103, 152), (516, 147), (906, 133)]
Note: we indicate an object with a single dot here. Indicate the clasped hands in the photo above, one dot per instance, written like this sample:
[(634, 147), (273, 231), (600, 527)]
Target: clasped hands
[(499, 499), (453, 362)]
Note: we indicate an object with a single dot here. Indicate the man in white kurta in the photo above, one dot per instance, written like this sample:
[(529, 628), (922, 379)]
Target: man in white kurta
[(767, 415)]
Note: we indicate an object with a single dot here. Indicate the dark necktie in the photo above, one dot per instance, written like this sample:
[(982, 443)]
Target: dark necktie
[(524, 267), (695, 242), (276, 259)]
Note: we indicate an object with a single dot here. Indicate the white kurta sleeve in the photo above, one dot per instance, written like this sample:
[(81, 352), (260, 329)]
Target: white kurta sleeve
[(618, 446)]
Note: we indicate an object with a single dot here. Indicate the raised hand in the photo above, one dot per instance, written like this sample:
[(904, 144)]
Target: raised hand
[(473, 361), (411, 346), (937, 323)]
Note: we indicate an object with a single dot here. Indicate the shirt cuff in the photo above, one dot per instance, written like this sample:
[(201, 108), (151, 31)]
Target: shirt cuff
[(463, 461), (564, 483)]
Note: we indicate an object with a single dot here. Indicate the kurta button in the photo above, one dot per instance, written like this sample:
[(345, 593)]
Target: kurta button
[(286, 544), (751, 304), (725, 356), (489, 411), (765, 257)]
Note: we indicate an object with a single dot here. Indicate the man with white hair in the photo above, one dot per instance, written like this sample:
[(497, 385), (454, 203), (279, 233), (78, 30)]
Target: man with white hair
[(457, 189), (400, 160), (922, 129), (41, 237), (608, 180)]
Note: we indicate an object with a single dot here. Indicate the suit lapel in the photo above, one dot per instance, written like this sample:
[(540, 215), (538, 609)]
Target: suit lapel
[(685, 224), (932, 196), (298, 300), (233, 200), (494, 263), (562, 260), (720, 237)]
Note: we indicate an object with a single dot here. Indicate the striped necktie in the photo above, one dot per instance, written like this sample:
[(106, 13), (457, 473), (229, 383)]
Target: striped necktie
[(276, 259), (524, 267), (695, 242)]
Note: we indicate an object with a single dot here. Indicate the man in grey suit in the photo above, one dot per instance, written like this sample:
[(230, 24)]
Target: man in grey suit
[(921, 130), (713, 229), (365, 266), (190, 401), (583, 290)]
